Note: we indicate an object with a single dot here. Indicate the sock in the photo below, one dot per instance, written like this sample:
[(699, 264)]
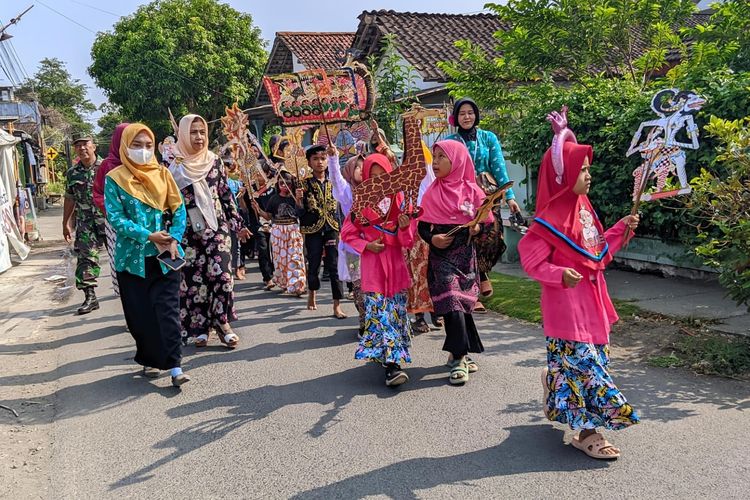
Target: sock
[(176, 371)]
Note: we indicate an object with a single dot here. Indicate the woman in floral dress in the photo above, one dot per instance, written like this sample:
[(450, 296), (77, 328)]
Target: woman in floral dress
[(206, 291)]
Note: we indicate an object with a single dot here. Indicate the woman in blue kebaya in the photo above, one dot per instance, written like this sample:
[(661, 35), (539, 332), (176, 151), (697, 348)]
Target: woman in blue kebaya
[(489, 164), (145, 209)]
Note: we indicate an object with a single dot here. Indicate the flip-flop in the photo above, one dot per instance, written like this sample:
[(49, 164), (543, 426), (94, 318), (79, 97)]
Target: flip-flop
[(546, 391), (343, 316), (594, 445)]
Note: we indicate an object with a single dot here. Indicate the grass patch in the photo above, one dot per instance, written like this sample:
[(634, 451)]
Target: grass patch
[(514, 297), (710, 354), (519, 298)]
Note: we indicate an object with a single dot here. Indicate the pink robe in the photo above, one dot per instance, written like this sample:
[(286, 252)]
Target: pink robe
[(383, 272), (581, 314)]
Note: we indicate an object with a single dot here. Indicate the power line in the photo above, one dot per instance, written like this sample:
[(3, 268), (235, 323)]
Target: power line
[(84, 4), (11, 65), (20, 62), (66, 17), (168, 70), (16, 60)]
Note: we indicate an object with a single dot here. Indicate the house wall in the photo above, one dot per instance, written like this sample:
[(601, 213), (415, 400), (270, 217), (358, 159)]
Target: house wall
[(419, 82), (297, 65)]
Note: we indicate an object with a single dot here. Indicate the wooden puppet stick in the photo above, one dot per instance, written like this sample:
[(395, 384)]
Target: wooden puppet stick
[(637, 201), (489, 203)]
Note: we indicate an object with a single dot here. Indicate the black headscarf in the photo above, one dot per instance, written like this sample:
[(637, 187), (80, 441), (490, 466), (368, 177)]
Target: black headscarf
[(466, 134), (272, 146)]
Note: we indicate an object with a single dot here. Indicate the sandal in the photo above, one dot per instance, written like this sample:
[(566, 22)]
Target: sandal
[(459, 372), (471, 365), (201, 340), (437, 321), (269, 285), (486, 288), (228, 337), (420, 326), (479, 308), (545, 372), (594, 445)]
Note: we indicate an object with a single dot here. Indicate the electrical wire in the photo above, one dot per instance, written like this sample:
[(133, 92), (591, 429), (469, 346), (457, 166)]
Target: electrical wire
[(84, 4), (168, 70)]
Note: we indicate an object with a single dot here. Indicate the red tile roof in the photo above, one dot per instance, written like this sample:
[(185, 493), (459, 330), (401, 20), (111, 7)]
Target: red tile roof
[(425, 39), (317, 50)]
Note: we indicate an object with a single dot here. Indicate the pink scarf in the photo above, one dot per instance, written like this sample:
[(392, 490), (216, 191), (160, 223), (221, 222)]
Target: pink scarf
[(565, 220), (453, 199)]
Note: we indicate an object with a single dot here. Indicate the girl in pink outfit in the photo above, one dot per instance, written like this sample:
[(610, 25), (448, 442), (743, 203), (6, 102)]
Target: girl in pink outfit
[(451, 201), (384, 278), (566, 251)]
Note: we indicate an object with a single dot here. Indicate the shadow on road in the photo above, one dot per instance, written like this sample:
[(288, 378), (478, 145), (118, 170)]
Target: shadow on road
[(528, 448), (338, 389)]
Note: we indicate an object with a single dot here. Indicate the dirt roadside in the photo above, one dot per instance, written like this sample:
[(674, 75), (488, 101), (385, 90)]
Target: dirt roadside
[(28, 355)]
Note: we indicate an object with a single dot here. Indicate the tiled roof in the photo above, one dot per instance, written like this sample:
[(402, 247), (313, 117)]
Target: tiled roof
[(317, 50), (426, 39), (314, 50)]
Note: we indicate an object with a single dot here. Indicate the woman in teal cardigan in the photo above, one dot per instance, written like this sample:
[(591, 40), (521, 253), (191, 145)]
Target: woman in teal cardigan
[(487, 155), (146, 210)]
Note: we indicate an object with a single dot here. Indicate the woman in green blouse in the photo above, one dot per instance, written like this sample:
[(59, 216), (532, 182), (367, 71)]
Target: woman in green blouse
[(145, 208)]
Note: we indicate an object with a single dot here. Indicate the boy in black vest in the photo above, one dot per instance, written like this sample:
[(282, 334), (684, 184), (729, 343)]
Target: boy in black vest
[(320, 225)]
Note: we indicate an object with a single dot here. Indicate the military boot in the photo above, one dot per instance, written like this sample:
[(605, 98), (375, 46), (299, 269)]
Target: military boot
[(90, 303)]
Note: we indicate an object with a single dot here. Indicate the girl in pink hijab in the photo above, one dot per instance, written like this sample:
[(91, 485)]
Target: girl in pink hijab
[(566, 250), (452, 200), (384, 278)]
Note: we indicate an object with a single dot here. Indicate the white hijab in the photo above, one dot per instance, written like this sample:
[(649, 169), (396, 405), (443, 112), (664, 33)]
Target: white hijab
[(192, 167)]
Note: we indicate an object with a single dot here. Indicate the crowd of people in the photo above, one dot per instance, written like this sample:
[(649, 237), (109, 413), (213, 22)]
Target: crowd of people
[(178, 235)]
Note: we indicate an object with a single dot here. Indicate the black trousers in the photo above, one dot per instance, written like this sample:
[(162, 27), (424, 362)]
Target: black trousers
[(314, 244), (152, 313), (461, 336), (265, 262)]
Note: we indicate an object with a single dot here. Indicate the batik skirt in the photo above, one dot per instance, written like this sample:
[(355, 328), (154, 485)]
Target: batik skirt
[(287, 246), (353, 270), (581, 391), (387, 331), (418, 295)]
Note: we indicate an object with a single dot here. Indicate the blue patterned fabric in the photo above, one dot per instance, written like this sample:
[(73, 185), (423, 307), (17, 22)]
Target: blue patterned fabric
[(387, 330), (134, 221), (581, 391)]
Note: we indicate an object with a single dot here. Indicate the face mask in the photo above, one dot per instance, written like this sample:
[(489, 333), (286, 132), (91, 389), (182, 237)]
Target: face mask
[(140, 156)]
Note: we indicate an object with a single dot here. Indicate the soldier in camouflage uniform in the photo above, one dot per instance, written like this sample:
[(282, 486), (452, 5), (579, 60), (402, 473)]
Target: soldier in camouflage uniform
[(89, 221)]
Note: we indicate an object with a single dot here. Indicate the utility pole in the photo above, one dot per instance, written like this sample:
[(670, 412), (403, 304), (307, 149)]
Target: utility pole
[(5, 36)]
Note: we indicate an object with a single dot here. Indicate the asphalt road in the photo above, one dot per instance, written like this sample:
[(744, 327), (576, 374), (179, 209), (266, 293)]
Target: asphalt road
[(290, 413)]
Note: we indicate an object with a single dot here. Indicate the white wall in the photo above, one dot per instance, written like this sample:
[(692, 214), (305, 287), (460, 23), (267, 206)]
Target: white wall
[(419, 82)]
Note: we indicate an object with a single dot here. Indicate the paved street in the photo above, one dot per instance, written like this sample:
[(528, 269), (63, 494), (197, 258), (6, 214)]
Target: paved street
[(292, 414)]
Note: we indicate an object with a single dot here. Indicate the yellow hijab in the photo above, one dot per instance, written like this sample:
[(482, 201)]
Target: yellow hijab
[(150, 183)]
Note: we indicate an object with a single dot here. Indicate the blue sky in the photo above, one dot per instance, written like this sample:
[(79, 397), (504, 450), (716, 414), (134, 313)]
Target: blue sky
[(43, 33)]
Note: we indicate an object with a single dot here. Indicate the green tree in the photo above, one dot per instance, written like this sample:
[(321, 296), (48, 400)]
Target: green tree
[(111, 117), (54, 87), (519, 88), (723, 204), (395, 83), (188, 55), (576, 38)]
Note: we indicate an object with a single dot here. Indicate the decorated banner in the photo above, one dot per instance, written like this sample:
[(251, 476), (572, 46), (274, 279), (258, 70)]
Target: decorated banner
[(314, 97), (663, 147)]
